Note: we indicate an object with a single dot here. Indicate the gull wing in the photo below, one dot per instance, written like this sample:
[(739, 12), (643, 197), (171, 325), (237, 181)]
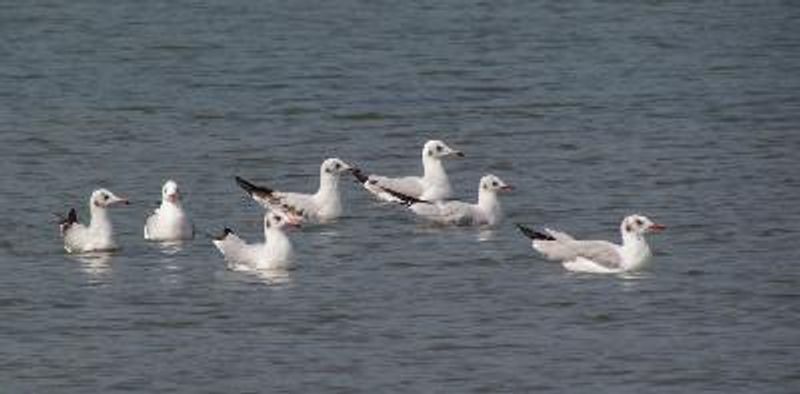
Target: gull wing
[(449, 212), (295, 203), (602, 253), (378, 185)]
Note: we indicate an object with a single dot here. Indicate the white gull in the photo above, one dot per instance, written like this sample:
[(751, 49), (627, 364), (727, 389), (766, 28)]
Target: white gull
[(486, 212), (433, 185), (322, 206), (169, 221), (598, 256), (274, 253), (99, 234)]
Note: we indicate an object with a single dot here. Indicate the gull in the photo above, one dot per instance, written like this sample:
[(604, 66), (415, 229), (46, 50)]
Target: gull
[(432, 186), (598, 256), (169, 221), (487, 211), (322, 206), (274, 253), (99, 234)]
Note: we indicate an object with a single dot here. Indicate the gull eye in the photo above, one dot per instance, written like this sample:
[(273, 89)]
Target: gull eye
[(338, 166), (639, 222), (494, 184), (106, 197), (439, 148), (277, 218)]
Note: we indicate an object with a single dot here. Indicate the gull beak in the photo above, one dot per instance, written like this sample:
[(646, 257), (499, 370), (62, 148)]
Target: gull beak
[(456, 153), (655, 227), (506, 188), (173, 197), (118, 201)]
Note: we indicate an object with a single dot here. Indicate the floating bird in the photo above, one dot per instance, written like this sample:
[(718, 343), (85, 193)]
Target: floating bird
[(598, 256), (169, 221), (274, 253), (432, 186), (99, 234), (322, 206), (487, 211)]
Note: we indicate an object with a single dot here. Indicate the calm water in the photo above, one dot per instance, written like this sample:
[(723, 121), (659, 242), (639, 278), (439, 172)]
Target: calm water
[(686, 111)]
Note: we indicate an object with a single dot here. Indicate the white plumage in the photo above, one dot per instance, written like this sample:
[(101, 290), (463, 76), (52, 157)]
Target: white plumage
[(274, 253), (322, 206), (598, 256), (486, 212), (169, 221), (99, 234), (433, 185)]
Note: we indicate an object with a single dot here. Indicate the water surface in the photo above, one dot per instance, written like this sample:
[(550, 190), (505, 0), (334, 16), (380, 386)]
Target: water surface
[(688, 112)]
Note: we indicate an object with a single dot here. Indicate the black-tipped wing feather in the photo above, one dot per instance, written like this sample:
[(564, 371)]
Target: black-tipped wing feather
[(360, 176), (66, 222), (254, 190), (533, 234), (404, 198)]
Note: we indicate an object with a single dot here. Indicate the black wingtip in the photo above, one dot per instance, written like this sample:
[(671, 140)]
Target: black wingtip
[(65, 223), (404, 198), (250, 188), (360, 176), (225, 232), (533, 234)]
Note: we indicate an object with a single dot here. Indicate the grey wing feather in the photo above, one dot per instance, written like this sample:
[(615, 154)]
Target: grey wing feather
[(297, 203), (566, 248), (601, 252), (409, 186), (559, 235)]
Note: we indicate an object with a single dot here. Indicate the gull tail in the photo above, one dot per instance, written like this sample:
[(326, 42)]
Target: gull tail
[(253, 190), (533, 234)]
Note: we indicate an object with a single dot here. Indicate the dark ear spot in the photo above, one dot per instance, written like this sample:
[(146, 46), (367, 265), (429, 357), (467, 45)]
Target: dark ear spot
[(485, 187), (430, 152), (328, 170), (267, 224), (628, 228)]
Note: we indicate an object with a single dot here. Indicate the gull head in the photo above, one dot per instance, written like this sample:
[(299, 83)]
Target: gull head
[(640, 224), (492, 183), (278, 220), (170, 192), (103, 198), (437, 149), (335, 166)]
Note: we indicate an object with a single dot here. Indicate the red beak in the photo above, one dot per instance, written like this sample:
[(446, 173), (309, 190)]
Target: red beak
[(507, 188), (655, 227)]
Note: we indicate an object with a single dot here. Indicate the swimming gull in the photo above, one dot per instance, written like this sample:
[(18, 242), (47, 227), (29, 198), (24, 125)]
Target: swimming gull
[(169, 221), (274, 253), (99, 234), (322, 206), (486, 212), (432, 186), (598, 256)]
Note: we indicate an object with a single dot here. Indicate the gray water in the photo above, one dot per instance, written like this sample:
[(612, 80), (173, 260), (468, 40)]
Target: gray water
[(688, 112)]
